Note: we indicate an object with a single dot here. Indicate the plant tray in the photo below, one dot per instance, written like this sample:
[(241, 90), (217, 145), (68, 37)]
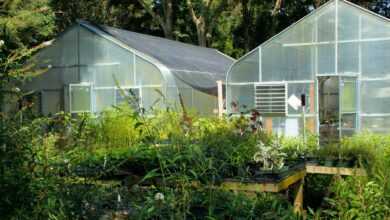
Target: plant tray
[(272, 176)]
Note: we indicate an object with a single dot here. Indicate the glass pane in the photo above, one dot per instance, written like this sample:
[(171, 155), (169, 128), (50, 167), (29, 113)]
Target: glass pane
[(379, 124), (147, 73), (105, 57), (375, 59), (204, 104), (63, 52), (104, 99), (326, 59), (186, 96), (51, 102), (326, 23), (129, 96), (374, 27), (151, 98), (241, 98), (246, 70), (348, 26), (297, 89), (348, 96), (348, 121), (375, 96), (80, 97), (348, 59)]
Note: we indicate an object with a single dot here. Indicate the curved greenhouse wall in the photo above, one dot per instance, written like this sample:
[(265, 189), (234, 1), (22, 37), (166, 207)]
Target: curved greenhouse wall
[(337, 56), (89, 72)]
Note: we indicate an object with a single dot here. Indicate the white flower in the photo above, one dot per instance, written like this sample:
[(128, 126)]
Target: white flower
[(159, 197), (1, 43)]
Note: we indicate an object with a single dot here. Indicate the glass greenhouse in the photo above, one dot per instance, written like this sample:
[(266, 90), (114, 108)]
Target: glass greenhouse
[(90, 67), (337, 58)]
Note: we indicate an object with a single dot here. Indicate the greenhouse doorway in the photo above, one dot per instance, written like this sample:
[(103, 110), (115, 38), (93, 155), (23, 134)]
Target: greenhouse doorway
[(337, 107), (328, 108)]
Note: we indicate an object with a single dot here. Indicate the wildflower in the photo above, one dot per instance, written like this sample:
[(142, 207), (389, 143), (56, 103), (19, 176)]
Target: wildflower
[(159, 197)]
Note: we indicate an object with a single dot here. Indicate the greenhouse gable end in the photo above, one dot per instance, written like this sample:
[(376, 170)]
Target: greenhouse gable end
[(337, 58)]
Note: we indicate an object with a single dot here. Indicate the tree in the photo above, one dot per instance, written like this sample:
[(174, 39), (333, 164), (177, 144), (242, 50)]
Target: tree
[(25, 23), (204, 13), (164, 17)]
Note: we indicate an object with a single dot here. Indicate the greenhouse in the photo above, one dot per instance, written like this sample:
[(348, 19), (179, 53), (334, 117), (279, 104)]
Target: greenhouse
[(335, 60), (92, 67)]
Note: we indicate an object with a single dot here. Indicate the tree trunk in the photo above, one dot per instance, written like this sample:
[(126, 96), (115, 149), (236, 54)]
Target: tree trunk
[(165, 20), (277, 7), (201, 32), (247, 20)]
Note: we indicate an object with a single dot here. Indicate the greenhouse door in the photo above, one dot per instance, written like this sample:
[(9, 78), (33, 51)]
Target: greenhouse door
[(348, 105), (328, 108)]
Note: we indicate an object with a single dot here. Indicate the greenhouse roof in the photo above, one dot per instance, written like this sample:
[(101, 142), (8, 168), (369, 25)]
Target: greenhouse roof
[(196, 66)]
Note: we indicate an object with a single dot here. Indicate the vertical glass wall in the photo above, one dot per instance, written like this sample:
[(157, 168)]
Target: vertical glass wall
[(339, 42)]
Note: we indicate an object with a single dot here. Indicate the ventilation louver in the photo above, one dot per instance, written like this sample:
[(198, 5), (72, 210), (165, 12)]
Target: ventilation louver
[(270, 99)]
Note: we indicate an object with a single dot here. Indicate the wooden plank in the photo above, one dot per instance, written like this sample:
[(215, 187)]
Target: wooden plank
[(250, 187), (344, 171), (298, 201), (264, 187), (284, 184)]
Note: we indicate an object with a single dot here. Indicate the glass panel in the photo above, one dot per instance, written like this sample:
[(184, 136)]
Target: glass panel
[(246, 70), (104, 99), (326, 23), (51, 102), (379, 124), (186, 95), (80, 97), (151, 98), (375, 59), (63, 52), (348, 96), (131, 96), (172, 96), (326, 59), (147, 73), (375, 96), (348, 59), (105, 57), (241, 98), (205, 104), (297, 89), (348, 26), (374, 27)]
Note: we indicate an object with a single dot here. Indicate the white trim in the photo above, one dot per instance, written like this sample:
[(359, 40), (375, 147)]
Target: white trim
[(260, 65), (194, 71), (386, 78), (375, 114), (242, 83), (339, 42)]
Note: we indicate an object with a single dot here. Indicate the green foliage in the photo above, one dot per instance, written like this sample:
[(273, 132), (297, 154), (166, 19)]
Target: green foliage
[(358, 198), (26, 23)]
